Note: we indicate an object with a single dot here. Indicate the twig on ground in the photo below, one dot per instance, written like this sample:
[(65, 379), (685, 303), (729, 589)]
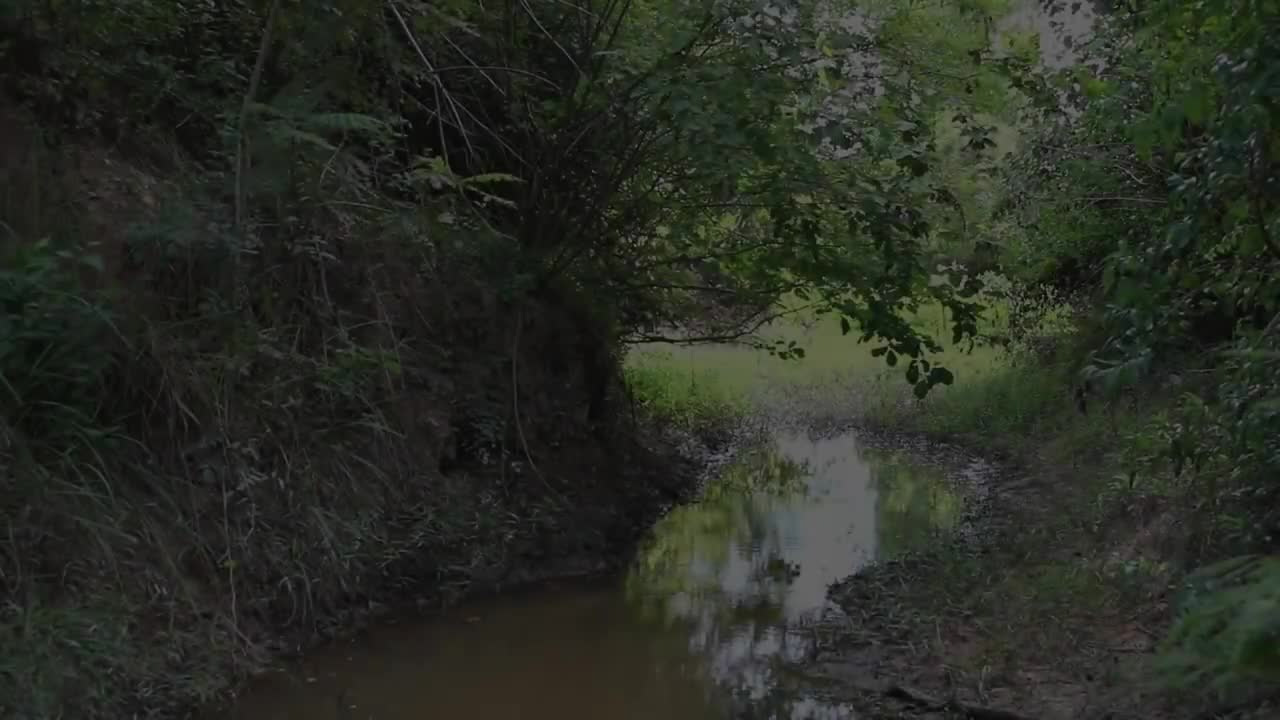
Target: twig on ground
[(928, 702)]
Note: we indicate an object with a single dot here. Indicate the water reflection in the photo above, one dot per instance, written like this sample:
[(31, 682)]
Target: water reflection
[(912, 504), (694, 630), (759, 551)]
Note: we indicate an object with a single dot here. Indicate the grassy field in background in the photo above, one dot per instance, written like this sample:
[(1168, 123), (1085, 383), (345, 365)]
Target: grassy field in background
[(1071, 537), (695, 380)]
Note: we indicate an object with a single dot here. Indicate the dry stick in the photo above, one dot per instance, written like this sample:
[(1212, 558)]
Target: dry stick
[(442, 96), (242, 155), (532, 16), (231, 565), (928, 702), (473, 65), (241, 159), (515, 402), (750, 326)]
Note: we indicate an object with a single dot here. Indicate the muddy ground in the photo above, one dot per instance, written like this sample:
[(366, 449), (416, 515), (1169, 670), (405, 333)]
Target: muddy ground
[(1040, 606)]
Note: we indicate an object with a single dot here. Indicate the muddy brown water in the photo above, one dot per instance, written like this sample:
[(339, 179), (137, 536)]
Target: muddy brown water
[(694, 629)]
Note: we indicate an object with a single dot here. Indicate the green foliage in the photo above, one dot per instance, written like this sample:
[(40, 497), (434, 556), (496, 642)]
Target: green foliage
[(1156, 195), (1228, 630), (36, 658), (734, 178), (52, 347), (1000, 404), (363, 178), (1209, 126), (693, 400)]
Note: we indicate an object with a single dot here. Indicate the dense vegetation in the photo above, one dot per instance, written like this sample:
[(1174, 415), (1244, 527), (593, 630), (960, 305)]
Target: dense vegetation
[(302, 302), (1127, 254), (311, 306), (1159, 201)]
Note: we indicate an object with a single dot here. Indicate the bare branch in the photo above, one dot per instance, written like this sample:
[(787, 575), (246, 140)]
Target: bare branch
[(637, 338), (443, 98), (532, 16)]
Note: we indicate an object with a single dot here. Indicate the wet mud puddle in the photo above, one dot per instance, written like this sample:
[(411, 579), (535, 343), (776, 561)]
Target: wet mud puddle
[(695, 628)]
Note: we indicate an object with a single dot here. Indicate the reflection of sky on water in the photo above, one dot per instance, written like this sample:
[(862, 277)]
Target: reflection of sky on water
[(817, 513), (701, 617)]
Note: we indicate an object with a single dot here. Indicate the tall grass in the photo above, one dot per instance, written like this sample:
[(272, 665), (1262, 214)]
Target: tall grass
[(1005, 400), (690, 400), (188, 487)]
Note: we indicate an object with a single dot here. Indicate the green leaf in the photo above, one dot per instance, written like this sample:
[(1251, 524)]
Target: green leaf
[(940, 376), (844, 326), (1196, 104), (892, 358), (913, 373), (1252, 240)]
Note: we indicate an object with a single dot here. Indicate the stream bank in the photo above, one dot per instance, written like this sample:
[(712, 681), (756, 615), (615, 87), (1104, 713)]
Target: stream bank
[(1057, 608), (721, 595), (1050, 602), (869, 569)]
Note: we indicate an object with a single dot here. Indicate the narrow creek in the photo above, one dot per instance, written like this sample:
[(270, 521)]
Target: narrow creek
[(716, 597)]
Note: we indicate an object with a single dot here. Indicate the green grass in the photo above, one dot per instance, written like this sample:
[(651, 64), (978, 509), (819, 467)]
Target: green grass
[(689, 400), (834, 364), (1001, 400)]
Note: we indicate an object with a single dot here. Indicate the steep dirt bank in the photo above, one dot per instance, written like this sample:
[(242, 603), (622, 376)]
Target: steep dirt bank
[(190, 488)]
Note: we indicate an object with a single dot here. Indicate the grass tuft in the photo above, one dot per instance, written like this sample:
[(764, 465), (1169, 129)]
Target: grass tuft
[(693, 400)]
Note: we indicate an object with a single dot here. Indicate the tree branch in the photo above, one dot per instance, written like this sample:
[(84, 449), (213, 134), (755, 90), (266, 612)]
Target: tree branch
[(730, 337)]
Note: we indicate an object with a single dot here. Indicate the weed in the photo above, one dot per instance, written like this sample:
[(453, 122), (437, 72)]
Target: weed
[(190, 492), (693, 400)]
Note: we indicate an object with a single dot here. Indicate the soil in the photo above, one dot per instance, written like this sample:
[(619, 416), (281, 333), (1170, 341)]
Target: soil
[(1037, 614)]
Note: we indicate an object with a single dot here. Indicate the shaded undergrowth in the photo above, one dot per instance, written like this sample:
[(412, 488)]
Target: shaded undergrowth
[(209, 458), (1063, 605)]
